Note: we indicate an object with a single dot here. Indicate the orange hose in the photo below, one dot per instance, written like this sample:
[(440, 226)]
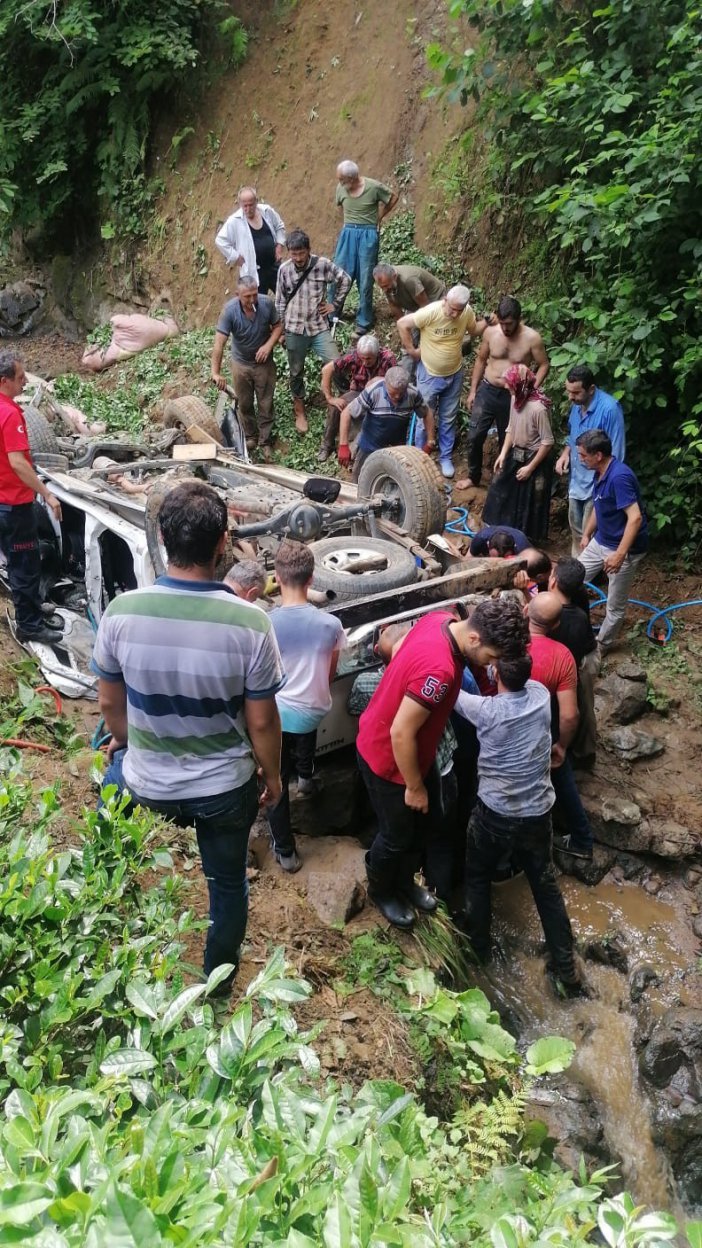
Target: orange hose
[(26, 745), (55, 695)]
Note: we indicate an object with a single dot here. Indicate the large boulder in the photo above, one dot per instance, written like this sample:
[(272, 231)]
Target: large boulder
[(622, 825), (671, 1066), (622, 698), (631, 743), (20, 304)]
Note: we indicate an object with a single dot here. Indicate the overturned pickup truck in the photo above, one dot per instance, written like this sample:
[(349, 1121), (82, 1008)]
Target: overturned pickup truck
[(378, 546)]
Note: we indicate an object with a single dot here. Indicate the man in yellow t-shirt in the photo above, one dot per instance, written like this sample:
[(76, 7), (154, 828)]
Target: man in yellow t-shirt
[(442, 327)]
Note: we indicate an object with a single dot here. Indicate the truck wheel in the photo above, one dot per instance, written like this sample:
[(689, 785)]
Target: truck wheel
[(191, 410), (405, 475), (154, 544), (42, 439), (333, 557)]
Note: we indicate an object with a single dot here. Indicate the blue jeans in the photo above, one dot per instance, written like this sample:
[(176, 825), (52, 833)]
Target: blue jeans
[(570, 805), (298, 347), (442, 395), (357, 254), (492, 837), (222, 825)]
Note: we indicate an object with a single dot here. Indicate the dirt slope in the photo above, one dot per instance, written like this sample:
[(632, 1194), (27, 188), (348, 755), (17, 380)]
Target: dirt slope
[(322, 82)]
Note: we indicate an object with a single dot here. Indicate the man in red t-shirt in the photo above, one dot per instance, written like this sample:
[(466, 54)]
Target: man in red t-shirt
[(19, 484), (398, 735), (554, 666)]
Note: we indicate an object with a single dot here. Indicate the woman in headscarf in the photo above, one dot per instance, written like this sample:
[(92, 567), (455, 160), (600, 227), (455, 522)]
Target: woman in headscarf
[(520, 493)]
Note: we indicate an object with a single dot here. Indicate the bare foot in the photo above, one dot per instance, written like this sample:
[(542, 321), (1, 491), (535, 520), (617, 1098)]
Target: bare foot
[(465, 483)]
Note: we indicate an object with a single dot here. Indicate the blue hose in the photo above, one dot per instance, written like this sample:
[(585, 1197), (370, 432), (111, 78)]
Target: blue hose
[(657, 613), (460, 524)]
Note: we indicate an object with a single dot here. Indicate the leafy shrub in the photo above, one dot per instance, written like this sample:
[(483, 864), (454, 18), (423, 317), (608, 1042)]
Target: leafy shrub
[(591, 122), (80, 82)]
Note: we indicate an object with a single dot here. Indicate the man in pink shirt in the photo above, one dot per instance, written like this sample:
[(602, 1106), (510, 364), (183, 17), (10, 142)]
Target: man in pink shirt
[(19, 484)]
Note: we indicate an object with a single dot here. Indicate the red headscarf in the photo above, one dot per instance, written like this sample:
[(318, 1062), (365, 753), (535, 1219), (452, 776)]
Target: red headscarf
[(521, 383)]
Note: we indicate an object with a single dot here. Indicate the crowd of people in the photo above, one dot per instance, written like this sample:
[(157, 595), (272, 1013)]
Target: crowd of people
[(472, 725)]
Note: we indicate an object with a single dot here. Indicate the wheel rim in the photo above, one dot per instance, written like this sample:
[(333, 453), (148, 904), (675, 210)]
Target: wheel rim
[(389, 489), (337, 561)]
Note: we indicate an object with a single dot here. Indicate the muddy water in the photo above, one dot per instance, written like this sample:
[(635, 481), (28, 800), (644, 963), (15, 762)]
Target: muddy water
[(602, 1027)]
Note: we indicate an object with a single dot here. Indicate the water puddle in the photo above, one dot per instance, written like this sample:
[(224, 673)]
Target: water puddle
[(603, 1027)]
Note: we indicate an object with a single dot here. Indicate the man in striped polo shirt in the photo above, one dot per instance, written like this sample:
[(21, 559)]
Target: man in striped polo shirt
[(188, 675)]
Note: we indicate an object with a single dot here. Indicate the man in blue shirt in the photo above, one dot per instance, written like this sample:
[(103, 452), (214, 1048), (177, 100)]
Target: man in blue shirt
[(615, 536), (386, 406), (253, 324), (592, 409)]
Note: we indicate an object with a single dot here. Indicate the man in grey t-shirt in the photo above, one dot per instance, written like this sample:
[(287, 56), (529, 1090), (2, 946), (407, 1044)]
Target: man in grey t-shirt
[(252, 323), (512, 816)]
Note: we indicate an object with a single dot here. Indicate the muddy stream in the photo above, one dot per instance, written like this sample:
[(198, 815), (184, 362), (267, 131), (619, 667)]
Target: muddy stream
[(655, 938)]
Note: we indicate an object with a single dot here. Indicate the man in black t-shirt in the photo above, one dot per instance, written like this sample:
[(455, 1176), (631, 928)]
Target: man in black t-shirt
[(575, 631)]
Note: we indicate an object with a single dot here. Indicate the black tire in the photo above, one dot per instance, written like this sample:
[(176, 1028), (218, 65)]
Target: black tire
[(154, 545), (191, 410), (408, 475), (329, 557), (46, 459), (42, 439)]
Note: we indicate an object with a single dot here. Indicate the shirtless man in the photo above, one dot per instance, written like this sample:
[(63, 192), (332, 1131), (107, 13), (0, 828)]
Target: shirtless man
[(508, 342)]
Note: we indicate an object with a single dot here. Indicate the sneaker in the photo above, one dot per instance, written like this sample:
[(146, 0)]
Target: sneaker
[(289, 862), (566, 989), (307, 785), (45, 635), (564, 845), (265, 452), (324, 453), (447, 468)]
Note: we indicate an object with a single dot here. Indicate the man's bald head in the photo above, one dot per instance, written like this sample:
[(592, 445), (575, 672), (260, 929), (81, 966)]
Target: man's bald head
[(544, 613)]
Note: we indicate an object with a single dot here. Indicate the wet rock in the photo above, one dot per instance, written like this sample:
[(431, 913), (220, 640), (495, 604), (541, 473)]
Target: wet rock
[(571, 1117), (618, 810), (676, 1042), (631, 669), (653, 885), (335, 898), (625, 700), (629, 867), (670, 839), (693, 875), (697, 926), (631, 743), (589, 872), (642, 977), (609, 951), (688, 1174), (19, 304)]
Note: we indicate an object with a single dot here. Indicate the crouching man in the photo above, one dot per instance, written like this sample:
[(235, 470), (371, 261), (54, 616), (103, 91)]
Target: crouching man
[(187, 678)]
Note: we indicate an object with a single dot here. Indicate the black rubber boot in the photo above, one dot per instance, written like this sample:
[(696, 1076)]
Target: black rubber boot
[(393, 907), (420, 897)]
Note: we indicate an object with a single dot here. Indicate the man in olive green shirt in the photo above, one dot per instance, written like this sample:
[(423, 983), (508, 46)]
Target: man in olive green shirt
[(407, 288), (364, 203)]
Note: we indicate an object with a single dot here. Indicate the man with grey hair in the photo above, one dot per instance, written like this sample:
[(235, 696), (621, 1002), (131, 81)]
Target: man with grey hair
[(19, 485), (386, 408), (246, 579), (407, 287), (253, 323), (254, 238), (442, 327), (349, 374), (364, 203)]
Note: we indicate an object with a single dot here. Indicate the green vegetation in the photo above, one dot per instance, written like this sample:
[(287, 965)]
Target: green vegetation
[(139, 1111), (79, 88), (588, 125)]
